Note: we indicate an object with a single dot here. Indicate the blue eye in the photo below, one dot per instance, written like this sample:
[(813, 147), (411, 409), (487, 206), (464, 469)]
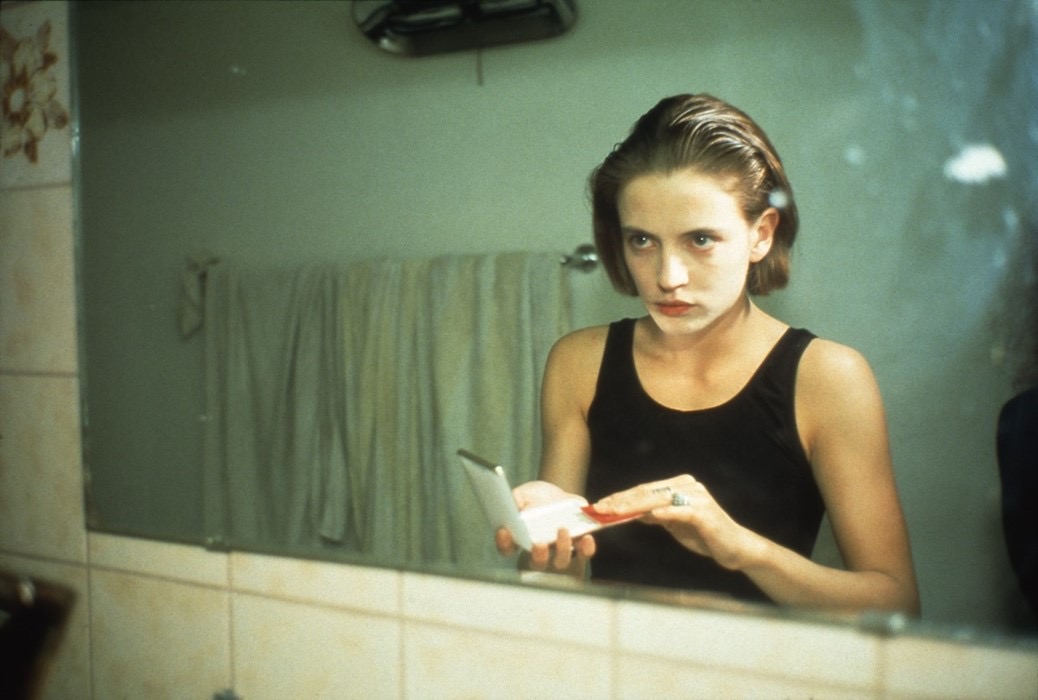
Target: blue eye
[(701, 240), (639, 241)]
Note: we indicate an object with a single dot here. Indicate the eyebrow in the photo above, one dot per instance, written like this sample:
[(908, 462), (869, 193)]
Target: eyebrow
[(627, 230)]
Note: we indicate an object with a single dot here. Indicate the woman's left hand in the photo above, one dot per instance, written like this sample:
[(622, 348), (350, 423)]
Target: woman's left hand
[(685, 508)]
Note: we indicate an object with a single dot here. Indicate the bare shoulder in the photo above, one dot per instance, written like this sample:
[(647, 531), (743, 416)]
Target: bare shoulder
[(583, 345), (574, 361), (836, 392), (830, 365)]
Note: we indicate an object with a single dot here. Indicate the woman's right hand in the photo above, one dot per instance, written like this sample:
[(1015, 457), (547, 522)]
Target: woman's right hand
[(566, 554)]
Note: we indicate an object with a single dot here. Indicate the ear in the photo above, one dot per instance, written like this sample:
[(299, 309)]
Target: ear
[(764, 234)]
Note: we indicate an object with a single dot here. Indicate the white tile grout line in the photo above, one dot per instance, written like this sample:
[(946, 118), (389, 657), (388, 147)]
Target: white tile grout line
[(402, 631), (29, 187), (231, 655), (43, 374), (90, 617), (614, 649)]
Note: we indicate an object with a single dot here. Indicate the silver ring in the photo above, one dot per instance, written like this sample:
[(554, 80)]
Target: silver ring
[(679, 499)]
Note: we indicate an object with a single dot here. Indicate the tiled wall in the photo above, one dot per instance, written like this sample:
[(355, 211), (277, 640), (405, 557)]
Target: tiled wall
[(159, 620)]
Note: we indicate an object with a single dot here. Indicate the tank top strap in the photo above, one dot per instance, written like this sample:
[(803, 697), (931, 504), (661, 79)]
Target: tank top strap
[(783, 360), (617, 366), (776, 376), (773, 388)]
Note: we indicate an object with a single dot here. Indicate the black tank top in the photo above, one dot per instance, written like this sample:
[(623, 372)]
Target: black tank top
[(746, 452)]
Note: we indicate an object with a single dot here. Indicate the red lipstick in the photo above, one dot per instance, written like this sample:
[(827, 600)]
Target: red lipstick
[(673, 308)]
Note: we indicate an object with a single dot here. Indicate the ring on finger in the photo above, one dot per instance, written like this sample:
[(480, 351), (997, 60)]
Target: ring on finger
[(679, 499)]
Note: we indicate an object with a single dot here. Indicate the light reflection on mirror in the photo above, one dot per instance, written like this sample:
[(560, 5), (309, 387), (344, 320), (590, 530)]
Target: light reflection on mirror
[(909, 131)]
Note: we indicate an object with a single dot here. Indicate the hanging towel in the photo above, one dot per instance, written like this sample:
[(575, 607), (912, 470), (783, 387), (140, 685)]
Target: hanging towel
[(338, 397)]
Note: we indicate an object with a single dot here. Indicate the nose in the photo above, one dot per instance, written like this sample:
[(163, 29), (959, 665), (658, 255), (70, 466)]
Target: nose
[(672, 273)]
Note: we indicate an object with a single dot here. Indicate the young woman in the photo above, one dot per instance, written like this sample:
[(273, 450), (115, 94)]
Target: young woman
[(733, 432)]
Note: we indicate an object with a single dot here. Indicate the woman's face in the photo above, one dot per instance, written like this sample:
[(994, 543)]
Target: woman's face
[(688, 247)]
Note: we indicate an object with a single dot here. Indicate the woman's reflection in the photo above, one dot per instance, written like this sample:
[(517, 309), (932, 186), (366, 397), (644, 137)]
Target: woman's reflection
[(730, 430)]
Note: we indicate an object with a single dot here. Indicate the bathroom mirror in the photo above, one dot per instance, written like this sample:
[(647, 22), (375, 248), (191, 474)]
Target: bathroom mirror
[(273, 135)]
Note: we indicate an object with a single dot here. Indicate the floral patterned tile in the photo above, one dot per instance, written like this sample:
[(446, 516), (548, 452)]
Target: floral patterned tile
[(35, 75)]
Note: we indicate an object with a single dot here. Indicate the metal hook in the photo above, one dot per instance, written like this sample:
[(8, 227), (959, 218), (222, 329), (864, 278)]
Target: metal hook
[(584, 258)]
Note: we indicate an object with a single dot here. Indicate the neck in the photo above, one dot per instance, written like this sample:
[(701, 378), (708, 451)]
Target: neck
[(729, 330)]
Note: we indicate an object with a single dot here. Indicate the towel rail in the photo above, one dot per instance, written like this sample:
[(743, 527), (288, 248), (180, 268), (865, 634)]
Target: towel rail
[(584, 258)]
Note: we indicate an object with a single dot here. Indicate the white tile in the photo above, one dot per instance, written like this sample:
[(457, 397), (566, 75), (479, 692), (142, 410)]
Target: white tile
[(41, 479), (918, 667), (358, 588), (188, 563), (152, 638), (291, 650), (37, 292), (48, 161), (444, 662), (68, 674), (563, 616), (652, 678), (828, 654)]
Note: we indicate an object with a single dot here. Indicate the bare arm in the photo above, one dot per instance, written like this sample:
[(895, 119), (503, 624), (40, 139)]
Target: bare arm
[(568, 387), (842, 423), (566, 393)]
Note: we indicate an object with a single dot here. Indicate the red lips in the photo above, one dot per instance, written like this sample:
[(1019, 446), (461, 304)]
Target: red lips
[(673, 308)]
